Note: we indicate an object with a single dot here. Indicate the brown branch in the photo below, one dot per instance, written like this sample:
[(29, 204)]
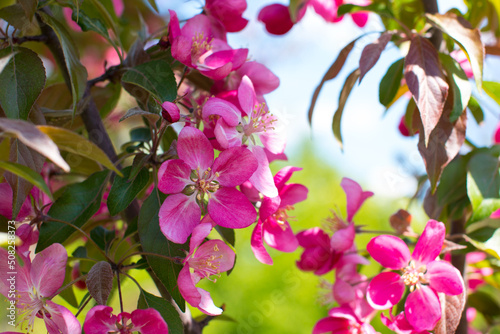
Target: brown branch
[(431, 7), (24, 39)]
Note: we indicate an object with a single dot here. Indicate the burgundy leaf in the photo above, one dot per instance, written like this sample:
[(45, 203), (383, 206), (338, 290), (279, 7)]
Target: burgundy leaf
[(426, 82), (451, 312), (371, 53), (443, 144), (330, 74), (100, 282)]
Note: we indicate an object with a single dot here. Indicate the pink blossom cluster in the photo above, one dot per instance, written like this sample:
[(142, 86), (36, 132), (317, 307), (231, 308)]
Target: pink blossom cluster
[(359, 298), (278, 20)]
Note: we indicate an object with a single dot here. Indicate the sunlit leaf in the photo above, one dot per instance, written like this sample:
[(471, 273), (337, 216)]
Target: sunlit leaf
[(28, 174), (391, 83), (72, 142), (467, 38), (21, 82), (344, 94), (459, 84), (426, 83), (371, 53)]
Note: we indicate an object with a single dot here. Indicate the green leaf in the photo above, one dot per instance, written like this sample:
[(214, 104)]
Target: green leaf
[(28, 174), (72, 142), (90, 24), (379, 8), (69, 293), (21, 82), (483, 168), (391, 82), (459, 85), (476, 110), (154, 76), (102, 237), (490, 246), (142, 134), (77, 72), (77, 204), (167, 311), (344, 94), (153, 241), (139, 112), (123, 191), (484, 303), (106, 98), (29, 7), (168, 137), (408, 11), (493, 90), (227, 234), (16, 16), (468, 39), (482, 208)]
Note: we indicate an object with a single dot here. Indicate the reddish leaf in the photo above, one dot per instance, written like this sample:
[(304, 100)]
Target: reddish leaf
[(401, 223), (371, 53), (100, 282), (451, 312), (449, 246), (467, 38), (332, 72), (444, 143), (344, 94), (426, 82)]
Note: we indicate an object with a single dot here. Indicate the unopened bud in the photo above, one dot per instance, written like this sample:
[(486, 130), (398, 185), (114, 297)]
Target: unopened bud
[(170, 112)]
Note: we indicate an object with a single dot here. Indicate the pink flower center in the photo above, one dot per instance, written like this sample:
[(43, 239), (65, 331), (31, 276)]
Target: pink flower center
[(412, 276), (355, 328), (207, 265), (281, 216), (261, 120), (200, 44), (29, 306), (204, 183)]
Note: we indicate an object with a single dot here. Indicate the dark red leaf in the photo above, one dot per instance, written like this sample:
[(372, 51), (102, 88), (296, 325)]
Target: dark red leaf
[(371, 53)]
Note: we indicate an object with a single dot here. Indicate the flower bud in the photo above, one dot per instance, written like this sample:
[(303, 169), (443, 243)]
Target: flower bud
[(170, 112)]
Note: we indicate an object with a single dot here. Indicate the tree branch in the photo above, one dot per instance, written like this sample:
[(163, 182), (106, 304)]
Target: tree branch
[(431, 7)]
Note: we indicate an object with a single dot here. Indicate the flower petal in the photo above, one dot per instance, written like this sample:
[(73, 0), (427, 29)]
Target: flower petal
[(343, 239), (227, 136), (173, 176), (200, 232), (229, 112), (48, 269), (99, 320), (148, 321), (220, 251), (207, 305), (443, 277), (263, 79), (385, 290), (293, 193), (276, 18), (332, 325), (262, 179), (280, 236), (195, 149), (235, 166), (430, 243), (268, 207), (230, 208), (187, 288), (246, 95), (257, 245), (355, 196), (343, 292), (390, 251), (283, 175), (422, 309), (64, 320), (179, 215)]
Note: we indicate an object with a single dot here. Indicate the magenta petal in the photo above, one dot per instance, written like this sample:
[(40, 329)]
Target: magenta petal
[(148, 321), (170, 111), (199, 234), (355, 196), (257, 245), (174, 29), (343, 292), (262, 179), (235, 166), (293, 193), (187, 288), (360, 18), (313, 237), (390, 251), (228, 111), (173, 176), (430, 243), (195, 149), (246, 95), (268, 207), (443, 277), (207, 305), (274, 141), (422, 309), (280, 236), (263, 79), (283, 175), (277, 19), (220, 251), (99, 320), (385, 290), (230, 208), (343, 239), (227, 136), (179, 215), (332, 325), (48, 269), (63, 319)]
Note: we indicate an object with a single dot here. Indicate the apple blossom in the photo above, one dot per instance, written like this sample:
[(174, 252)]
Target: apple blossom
[(101, 320)]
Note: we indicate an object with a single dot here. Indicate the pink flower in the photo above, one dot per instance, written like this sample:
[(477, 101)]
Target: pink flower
[(36, 283), (398, 324), (318, 255), (420, 271), (258, 123), (228, 13), (211, 258), (170, 112), (6, 203), (276, 18), (461, 58), (273, 226), (100, 320), (343, 320), (199, 46), (350, 286), (496, 140), (199, 184)]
